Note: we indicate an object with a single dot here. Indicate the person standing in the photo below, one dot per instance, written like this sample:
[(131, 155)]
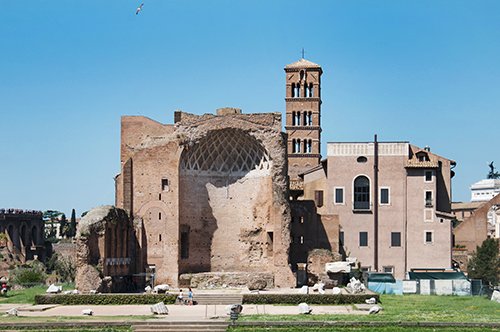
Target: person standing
[(190, 296), (180, 297)]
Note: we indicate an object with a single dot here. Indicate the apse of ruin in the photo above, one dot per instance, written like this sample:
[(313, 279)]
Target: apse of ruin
[(210, 192), (224, 193)]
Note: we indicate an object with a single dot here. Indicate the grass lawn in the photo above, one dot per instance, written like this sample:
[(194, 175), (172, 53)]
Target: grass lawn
[(27, 295), (411, 308), (361, 329), (84, 329)]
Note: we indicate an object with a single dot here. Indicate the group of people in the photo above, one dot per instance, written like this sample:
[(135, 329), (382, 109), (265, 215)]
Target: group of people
[(181, 300)]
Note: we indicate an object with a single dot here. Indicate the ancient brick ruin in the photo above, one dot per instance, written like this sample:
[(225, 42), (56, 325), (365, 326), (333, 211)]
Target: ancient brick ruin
[(23, 237), (106, 245), (210, 193)]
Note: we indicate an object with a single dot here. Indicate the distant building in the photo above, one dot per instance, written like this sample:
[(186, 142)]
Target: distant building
[(478, 219), (484, 190), (24, 232)]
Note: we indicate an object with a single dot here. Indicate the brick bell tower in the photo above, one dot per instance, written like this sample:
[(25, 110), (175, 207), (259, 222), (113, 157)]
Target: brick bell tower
[(303, 118)]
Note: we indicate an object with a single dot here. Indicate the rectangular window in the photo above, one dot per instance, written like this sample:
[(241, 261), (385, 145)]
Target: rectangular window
[(384, 196), (164, 184), (363, 239), (395, 239), (388, 269), (339, 195), (428, 237), (428, 198), (428, 176), (318, 197)]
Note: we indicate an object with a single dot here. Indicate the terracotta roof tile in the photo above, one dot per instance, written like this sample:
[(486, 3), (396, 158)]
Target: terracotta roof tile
[(302, 63)]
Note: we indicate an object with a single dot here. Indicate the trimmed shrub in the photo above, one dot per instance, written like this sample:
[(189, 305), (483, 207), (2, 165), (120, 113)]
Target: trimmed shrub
[(104, 299), (120, 299), (329, 299)]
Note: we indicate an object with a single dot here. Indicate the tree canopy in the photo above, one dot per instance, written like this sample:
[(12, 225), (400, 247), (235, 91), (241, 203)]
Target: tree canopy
[(485, 263)]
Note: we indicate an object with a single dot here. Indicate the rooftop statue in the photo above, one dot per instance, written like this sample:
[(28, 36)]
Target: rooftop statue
[(492, 174)]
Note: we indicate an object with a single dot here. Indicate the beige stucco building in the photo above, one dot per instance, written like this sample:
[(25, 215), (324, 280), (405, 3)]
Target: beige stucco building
[(392, 200)]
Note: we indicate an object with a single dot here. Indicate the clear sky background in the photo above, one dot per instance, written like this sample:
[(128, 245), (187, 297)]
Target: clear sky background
[(427, 72)]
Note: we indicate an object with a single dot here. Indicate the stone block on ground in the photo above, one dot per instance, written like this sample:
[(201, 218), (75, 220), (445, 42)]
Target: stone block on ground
[(495, 296), (53, 289), (304, 308), (87, 312), (159, 309)]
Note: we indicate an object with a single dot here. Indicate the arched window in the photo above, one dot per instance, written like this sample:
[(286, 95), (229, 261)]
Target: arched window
[(310, 119), (34, 235), (309, 146), (297, 119), (311, 93), (293, 90), (293, 146), (294, 120), (361, 193), (306, 118), (297, 145), (296, 94)]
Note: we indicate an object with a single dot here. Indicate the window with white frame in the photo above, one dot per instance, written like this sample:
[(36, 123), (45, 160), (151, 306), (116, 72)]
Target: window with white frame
[(429, 237), (428, 198), (388, 269), (384, 196), (361, 193), (339, 195)]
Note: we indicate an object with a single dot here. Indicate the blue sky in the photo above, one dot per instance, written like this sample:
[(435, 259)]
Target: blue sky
[(427, 72)]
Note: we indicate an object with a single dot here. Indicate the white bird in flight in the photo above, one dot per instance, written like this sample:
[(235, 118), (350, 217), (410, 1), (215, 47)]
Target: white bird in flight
[(138, 10)]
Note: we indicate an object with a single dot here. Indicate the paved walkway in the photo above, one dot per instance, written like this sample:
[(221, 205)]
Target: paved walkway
[(176, 312)]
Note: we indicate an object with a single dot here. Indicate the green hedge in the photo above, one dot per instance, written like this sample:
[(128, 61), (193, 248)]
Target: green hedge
[(96, 299), (308, 298)]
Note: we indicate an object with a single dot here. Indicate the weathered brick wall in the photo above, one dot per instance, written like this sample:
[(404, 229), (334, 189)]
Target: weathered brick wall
[(235, 222)]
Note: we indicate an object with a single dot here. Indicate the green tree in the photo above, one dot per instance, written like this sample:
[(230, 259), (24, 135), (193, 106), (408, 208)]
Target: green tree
[(51, 220), (72, 224), (485, 263), (63, 226)]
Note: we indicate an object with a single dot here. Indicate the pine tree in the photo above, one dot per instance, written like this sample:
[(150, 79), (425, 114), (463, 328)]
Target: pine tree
[(72, 224), (485, 263)]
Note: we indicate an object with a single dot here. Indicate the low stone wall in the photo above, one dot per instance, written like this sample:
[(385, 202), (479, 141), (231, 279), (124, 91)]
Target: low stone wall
[(208, 280)]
